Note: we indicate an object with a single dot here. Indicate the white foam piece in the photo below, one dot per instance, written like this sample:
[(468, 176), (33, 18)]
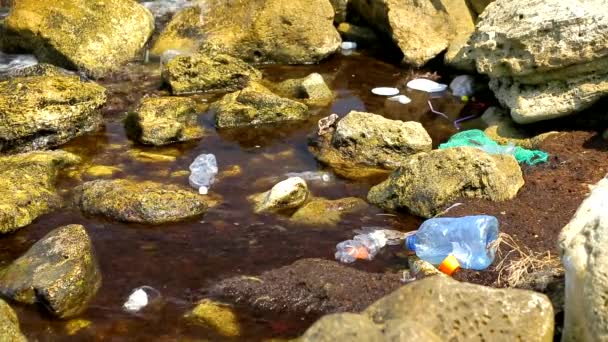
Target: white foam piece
[(348, 45), (385, 91), (401, 99), (428, 86), (137, 301)]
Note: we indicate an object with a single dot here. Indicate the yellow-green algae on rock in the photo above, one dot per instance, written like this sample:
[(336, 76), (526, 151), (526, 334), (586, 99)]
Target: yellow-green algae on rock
[(41, 112), (217, 316), (9, 325), (321, 211), (96, 36), (27, 186)]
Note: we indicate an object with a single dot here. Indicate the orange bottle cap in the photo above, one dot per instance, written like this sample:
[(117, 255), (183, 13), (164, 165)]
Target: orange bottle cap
[(449, 265)]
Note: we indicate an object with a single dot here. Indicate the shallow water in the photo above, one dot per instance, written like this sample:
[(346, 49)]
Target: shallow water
[(182, 260)]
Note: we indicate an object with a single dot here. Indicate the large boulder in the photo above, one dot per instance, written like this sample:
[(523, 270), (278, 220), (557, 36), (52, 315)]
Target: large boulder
[(421, 29), (583, 244), (428, 181), (95, 36), (164, 120), (546, 59), (207, 72), (260, 31), (256, 105), (27, 186), (46, 111), (59, 272), (364, 144), (140, 202), (9, 324)]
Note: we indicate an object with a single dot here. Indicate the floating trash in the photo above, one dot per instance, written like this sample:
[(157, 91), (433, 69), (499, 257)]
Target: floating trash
[(139, 298), (312, 176), (385, 91), (401, 99), (202, 172), (348, 45), (463, 85), (425, 85)]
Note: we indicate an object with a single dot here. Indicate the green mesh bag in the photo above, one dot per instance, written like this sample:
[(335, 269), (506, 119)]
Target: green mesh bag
[(477, 138)]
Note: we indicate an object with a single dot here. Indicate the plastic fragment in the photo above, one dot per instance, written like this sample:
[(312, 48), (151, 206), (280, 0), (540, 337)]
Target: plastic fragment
[(422, 84), (401, 99), (385, 91), (463, 85), (366, 245), (139, 298), (348, 45)]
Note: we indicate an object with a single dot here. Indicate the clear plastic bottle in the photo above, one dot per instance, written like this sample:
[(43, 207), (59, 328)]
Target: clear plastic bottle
[(470, 239), (362, 246)]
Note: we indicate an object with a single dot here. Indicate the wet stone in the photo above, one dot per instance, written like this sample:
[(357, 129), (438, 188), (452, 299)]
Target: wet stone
[(59, 272), (312, 90), (9, 324), (288, 194), (140, 202), (217, 316), (321, 211)]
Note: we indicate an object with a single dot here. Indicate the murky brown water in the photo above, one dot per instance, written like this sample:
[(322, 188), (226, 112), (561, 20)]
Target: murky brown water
[(181, 260)]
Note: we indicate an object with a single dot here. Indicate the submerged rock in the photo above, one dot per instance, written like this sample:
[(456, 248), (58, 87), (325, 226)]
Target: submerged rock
[(217, 316), (256, 105), (291, 193), (421, 29), (311, 89), (309, 286), (164, 120), (260, 31), (9, 324), (95, 36), (426, 182), (583, 246), (59, 272), (364, 144), (549, 61), (27, 186), (208, 72), (321, 211), (140, 202), (47, 111)]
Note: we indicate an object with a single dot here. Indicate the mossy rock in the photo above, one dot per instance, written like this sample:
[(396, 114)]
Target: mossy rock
[(312, 90), (9, 324), (59, 271), (27, 186), (256, 105), (217, 316), (207, 72), (47, 111), (164, 120), (95, 36), (139, 202), (321, 211)]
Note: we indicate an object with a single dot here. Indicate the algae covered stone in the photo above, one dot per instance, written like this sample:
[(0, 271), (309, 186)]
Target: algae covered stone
[(164, 120), (95, 36), (311, 89), (140, 202), (59, 272), (204, 72), (256, 105), (41, 112), (217, 316), (27, 186), (364, 144), (259, 31), (426, 182), (321, 211), (9, 324), (288, 194)]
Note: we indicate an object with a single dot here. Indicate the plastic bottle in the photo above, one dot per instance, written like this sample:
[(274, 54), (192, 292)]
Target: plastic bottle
[(469, 239), (202, 172), (362, 246)]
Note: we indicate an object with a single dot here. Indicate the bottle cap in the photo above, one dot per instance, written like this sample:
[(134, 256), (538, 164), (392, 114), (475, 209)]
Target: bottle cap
[(449, 265)]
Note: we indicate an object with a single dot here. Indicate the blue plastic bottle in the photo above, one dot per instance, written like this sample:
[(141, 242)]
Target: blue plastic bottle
[(468, 238)]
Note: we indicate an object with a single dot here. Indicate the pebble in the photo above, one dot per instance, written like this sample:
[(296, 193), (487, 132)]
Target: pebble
[(385, 91), (428, 86), (401, 99)]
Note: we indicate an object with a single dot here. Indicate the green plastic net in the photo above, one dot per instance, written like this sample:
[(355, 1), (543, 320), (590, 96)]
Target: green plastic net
[(477, 138)]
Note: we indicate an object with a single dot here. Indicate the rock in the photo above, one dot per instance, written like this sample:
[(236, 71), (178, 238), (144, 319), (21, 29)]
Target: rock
[(583, 247), (27, 186), (420, 268), (47, 111), (439, 26), (41, 69), (308, 287), (259, 31), (504, 131), (59, 271), (93, 36), (291, 193), (364, 144), (550, 61), (164, 120), (217, 316), (98, 171), (428, 181), (363, 36), (343, 327), (256, 105), (140, 202), (9, 324), (340, 9), (407, 329), (311, 90), (479, 5), (463, 311), (321, 211), (208, 72)]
